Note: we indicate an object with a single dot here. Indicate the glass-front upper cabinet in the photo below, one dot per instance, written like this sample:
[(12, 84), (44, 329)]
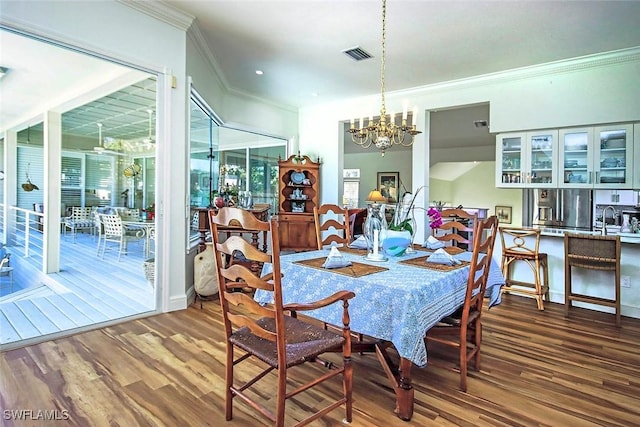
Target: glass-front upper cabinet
[(636, 159), (600, 157), (510, 159), (576, 157), (527, 159), (613, 156), (542, 159)]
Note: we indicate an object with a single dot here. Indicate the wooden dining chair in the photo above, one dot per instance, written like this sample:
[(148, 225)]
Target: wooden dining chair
[(332, 225), (457, 227), (356, 222), (463, 328), (278, 341)]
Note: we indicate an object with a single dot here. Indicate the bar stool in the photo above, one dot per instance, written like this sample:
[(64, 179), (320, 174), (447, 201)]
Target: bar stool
[(522, 244), (593, 253)]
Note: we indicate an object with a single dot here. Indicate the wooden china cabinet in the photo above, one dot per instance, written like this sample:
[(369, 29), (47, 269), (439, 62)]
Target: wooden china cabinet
[(298, 194)]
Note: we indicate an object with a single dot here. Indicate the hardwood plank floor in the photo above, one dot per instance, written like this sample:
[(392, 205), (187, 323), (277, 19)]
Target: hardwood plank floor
[(538, 368)]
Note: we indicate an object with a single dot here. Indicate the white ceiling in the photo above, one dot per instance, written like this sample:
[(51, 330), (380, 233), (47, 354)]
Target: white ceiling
[(298, 44)]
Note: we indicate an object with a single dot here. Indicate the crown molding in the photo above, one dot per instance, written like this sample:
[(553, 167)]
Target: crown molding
[(547, 69), (195, 35), (162, 11)]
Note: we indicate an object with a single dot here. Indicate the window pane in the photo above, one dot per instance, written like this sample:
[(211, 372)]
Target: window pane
[(263, 174), (99, 185), (350, 193)]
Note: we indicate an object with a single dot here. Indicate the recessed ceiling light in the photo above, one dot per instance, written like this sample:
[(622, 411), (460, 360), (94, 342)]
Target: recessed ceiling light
[(259, 72), (314, 93)]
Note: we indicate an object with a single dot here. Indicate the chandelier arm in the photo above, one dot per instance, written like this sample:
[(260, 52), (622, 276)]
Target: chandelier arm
[(383, 110), (383, 135)]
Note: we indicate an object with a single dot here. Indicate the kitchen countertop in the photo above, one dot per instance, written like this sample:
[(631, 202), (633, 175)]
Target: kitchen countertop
[(633, 238)]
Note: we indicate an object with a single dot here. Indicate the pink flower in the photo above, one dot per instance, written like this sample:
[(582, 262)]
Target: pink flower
[(435, 219)]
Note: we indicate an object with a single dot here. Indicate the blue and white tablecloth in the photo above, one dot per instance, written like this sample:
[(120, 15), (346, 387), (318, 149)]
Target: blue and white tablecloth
[(397, 305)]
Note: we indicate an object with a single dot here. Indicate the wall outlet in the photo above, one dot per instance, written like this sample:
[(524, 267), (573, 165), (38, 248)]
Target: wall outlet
[(625, 281)]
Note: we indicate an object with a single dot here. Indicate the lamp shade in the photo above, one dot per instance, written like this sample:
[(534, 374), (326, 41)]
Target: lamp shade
[(376, 196)]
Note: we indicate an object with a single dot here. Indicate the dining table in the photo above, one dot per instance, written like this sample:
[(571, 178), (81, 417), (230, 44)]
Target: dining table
[(144, 227), (397, 301)]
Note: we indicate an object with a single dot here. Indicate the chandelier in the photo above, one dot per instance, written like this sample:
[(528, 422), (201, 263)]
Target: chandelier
[(384, 134)]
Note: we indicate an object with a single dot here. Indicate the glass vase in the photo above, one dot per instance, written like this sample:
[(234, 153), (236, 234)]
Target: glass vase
[(412, 222), (374, 230)]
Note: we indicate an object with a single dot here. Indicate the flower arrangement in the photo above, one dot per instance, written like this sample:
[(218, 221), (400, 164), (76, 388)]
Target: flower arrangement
[(402, 219), (150, 212), (435, 218)]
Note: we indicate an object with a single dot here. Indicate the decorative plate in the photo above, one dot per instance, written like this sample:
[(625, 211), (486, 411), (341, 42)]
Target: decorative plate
[(297, 178)]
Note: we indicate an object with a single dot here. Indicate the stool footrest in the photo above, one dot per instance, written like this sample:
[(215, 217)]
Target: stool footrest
[(511, 282), (591, 299)]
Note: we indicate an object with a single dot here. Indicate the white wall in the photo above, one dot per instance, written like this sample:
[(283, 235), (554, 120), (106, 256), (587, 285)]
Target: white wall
[(476, 189), (370, 163)]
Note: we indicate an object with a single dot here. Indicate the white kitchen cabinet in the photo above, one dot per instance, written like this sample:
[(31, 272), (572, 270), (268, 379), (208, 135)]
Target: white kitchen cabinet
[(615, 197), (510, 159), (527, 159), (636, 158), (541, 169), (596, 157)]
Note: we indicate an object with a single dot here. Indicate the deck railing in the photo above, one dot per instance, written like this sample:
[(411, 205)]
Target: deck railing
[(22, 233)]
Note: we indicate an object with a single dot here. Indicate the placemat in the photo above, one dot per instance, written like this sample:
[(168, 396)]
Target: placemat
[(422, 262), (451, 250), (355, 270), (356, 251)]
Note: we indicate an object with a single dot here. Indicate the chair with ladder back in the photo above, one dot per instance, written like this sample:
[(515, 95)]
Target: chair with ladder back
[(278, 341), (463, 328)]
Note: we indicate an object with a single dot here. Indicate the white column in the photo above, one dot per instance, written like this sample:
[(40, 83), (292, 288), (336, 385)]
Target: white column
[(52, 142), (10, 183)]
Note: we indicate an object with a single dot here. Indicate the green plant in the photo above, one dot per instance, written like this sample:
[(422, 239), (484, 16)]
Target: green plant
[(404, 209)]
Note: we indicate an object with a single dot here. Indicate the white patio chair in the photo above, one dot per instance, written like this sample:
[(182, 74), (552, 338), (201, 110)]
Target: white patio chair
[(80, 219), (115, 232)]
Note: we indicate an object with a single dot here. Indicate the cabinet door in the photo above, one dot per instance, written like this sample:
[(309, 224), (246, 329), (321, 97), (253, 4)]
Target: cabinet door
[(575, 165), (297, 232), (613, 156), (636, 159), (510, 159), (542, 159)]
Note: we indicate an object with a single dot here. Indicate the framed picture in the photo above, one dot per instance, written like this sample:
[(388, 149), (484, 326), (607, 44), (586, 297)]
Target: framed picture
[(388, 183), (504, 214)]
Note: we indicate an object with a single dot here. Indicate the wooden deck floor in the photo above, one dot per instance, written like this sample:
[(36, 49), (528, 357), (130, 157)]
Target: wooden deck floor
[(88, 291), (538, 369)]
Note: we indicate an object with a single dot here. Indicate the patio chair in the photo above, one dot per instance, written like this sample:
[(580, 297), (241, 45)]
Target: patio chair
[(79, 219), (39, 208), (265, 333), (463, 328), (115, 232), (5, 269)]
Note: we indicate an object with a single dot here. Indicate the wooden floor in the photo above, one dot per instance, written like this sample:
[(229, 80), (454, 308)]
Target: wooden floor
[(88, 290), (538, 369)]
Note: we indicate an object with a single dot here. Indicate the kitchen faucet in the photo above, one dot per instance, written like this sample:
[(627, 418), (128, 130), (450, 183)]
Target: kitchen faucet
[(604, 218)]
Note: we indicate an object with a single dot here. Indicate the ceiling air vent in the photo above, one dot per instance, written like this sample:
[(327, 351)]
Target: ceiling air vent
[(357, 53)]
